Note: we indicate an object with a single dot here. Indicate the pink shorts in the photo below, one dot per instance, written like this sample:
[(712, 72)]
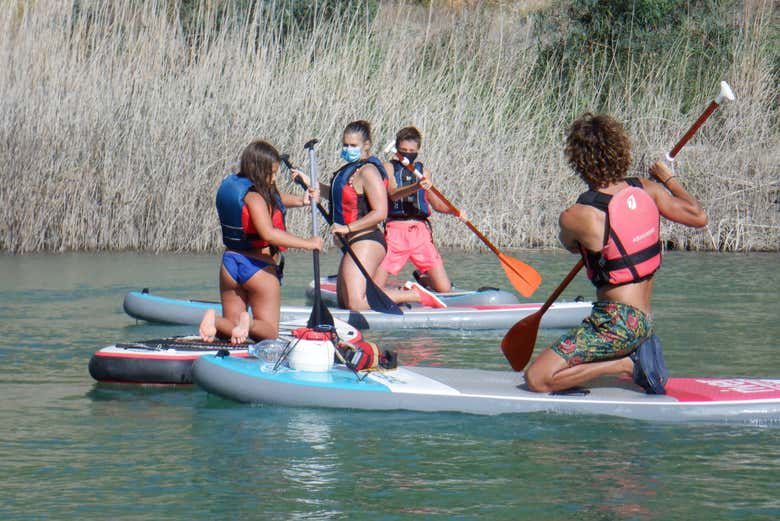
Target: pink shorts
[(409, 240)]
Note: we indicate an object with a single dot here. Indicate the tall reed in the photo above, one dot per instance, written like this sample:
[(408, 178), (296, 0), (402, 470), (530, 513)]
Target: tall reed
[(117, 123)]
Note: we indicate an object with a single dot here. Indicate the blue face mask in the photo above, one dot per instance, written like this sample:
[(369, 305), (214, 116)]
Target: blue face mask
[(350, 154)]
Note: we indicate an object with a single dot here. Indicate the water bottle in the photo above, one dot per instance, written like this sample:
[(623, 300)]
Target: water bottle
[(267, 351)]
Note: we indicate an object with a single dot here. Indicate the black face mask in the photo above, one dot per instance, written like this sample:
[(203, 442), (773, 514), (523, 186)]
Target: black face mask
[(410, 156)]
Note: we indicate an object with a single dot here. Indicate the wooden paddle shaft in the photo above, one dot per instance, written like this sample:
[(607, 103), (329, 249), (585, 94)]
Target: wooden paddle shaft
[(409, 166), (725, 94), (691, 131), (557, 293)]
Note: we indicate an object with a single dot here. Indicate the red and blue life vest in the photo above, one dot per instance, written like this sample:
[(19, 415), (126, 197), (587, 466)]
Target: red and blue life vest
[(632, 249), (413, 206), (238, 232), (346, 205)]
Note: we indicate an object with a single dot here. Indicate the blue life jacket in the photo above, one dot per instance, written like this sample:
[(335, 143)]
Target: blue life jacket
[(238, 232), (413, 206), (346, 205)]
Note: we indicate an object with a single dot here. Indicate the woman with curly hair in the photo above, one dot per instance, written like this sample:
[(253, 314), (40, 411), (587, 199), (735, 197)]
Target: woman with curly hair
[(615, 227)]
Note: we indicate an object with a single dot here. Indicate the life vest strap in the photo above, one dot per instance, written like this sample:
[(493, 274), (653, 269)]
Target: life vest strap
[(630, 261)]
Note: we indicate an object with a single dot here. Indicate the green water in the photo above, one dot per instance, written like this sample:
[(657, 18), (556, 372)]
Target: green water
[(72, 449)]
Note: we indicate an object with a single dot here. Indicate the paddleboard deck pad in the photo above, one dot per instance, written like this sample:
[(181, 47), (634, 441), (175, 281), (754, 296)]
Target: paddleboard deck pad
[(143, 305), (169, 360), (435, 389)]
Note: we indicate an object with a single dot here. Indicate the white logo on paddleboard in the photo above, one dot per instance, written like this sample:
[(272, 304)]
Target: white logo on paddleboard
[(739, 385), (631, 202)]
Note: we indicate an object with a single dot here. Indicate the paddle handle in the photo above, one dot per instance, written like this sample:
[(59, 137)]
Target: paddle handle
[(725, 94)]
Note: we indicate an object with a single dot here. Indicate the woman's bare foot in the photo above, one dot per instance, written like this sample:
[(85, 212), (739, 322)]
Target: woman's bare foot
[(241, 331), (208, 326)]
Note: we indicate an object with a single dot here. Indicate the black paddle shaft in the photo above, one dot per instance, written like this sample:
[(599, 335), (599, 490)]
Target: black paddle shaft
[(319, 312)]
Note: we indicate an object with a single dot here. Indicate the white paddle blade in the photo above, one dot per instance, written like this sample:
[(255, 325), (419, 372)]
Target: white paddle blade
[(726, 94)]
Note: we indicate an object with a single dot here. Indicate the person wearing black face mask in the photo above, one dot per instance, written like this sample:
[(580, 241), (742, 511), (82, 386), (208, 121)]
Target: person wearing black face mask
[(407, 230)]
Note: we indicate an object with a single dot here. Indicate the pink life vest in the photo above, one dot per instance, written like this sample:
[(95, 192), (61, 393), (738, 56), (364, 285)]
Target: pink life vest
[(632, 249)]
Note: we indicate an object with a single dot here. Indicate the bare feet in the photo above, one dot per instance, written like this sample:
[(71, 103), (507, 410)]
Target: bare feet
[(208, 326), (241, 331)]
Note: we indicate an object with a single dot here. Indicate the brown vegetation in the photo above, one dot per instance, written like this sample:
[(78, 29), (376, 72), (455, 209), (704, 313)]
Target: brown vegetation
[(116, 126)]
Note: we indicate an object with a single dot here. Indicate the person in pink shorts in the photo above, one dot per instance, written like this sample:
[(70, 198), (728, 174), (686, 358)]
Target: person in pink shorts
[(407, 230)]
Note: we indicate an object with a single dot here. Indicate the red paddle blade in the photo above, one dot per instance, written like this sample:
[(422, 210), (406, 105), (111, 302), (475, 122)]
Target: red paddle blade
[(518, 343), (523, 277)]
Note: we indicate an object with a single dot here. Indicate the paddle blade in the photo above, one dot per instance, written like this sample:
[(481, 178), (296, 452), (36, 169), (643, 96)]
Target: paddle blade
[(320, 315), (518, 343), (523, 277), (379, 301)]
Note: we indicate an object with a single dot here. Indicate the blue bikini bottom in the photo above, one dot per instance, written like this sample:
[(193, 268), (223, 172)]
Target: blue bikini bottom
[(241, 267)]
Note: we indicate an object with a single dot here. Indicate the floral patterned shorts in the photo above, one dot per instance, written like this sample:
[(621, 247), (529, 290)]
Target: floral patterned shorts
[(613, 330)]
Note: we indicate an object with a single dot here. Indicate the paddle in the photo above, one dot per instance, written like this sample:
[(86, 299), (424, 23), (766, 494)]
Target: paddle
[(523, 277), (518, 343), (377, 299), (319, 312)]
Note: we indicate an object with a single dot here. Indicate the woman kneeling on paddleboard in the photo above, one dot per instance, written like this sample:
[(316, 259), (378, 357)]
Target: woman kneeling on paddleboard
[(251, 212), (358, 206), (615, 227)]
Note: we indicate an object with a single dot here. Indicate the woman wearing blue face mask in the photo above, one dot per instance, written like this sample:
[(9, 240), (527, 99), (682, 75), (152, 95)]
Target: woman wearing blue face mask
[(358, 206)]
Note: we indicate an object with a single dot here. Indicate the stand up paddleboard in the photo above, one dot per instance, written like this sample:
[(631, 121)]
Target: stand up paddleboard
[(169, 360), (434, 389), (143, 305)]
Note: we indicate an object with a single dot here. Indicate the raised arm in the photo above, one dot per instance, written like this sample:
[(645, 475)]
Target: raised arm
[(673, 201)]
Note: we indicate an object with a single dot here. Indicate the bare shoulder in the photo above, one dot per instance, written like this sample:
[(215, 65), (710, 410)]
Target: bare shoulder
[(254, 199), (369, 173), (574, 215)]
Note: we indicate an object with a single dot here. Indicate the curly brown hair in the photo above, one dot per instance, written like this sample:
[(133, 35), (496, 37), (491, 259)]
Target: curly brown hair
[(598, 149)]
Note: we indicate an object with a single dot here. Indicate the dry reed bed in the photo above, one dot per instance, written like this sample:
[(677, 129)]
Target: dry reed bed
[(115, 130)]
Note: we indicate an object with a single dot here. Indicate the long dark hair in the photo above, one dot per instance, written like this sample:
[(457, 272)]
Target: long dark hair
[(257, 164)]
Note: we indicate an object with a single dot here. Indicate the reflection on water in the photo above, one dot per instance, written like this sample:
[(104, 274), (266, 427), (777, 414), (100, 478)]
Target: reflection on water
[(75, 449)]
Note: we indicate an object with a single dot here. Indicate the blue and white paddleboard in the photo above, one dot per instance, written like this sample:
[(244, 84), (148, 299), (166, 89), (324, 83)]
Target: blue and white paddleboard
[(435, 389), (143, 305)]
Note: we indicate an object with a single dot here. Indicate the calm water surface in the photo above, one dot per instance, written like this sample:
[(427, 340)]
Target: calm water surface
[(73, 449)]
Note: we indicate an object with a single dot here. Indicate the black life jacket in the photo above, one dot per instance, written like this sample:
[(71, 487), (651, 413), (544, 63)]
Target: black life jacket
[(413, 206)]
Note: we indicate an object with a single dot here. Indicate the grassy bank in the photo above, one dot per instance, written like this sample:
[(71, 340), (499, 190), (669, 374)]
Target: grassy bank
[(118, 121)]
